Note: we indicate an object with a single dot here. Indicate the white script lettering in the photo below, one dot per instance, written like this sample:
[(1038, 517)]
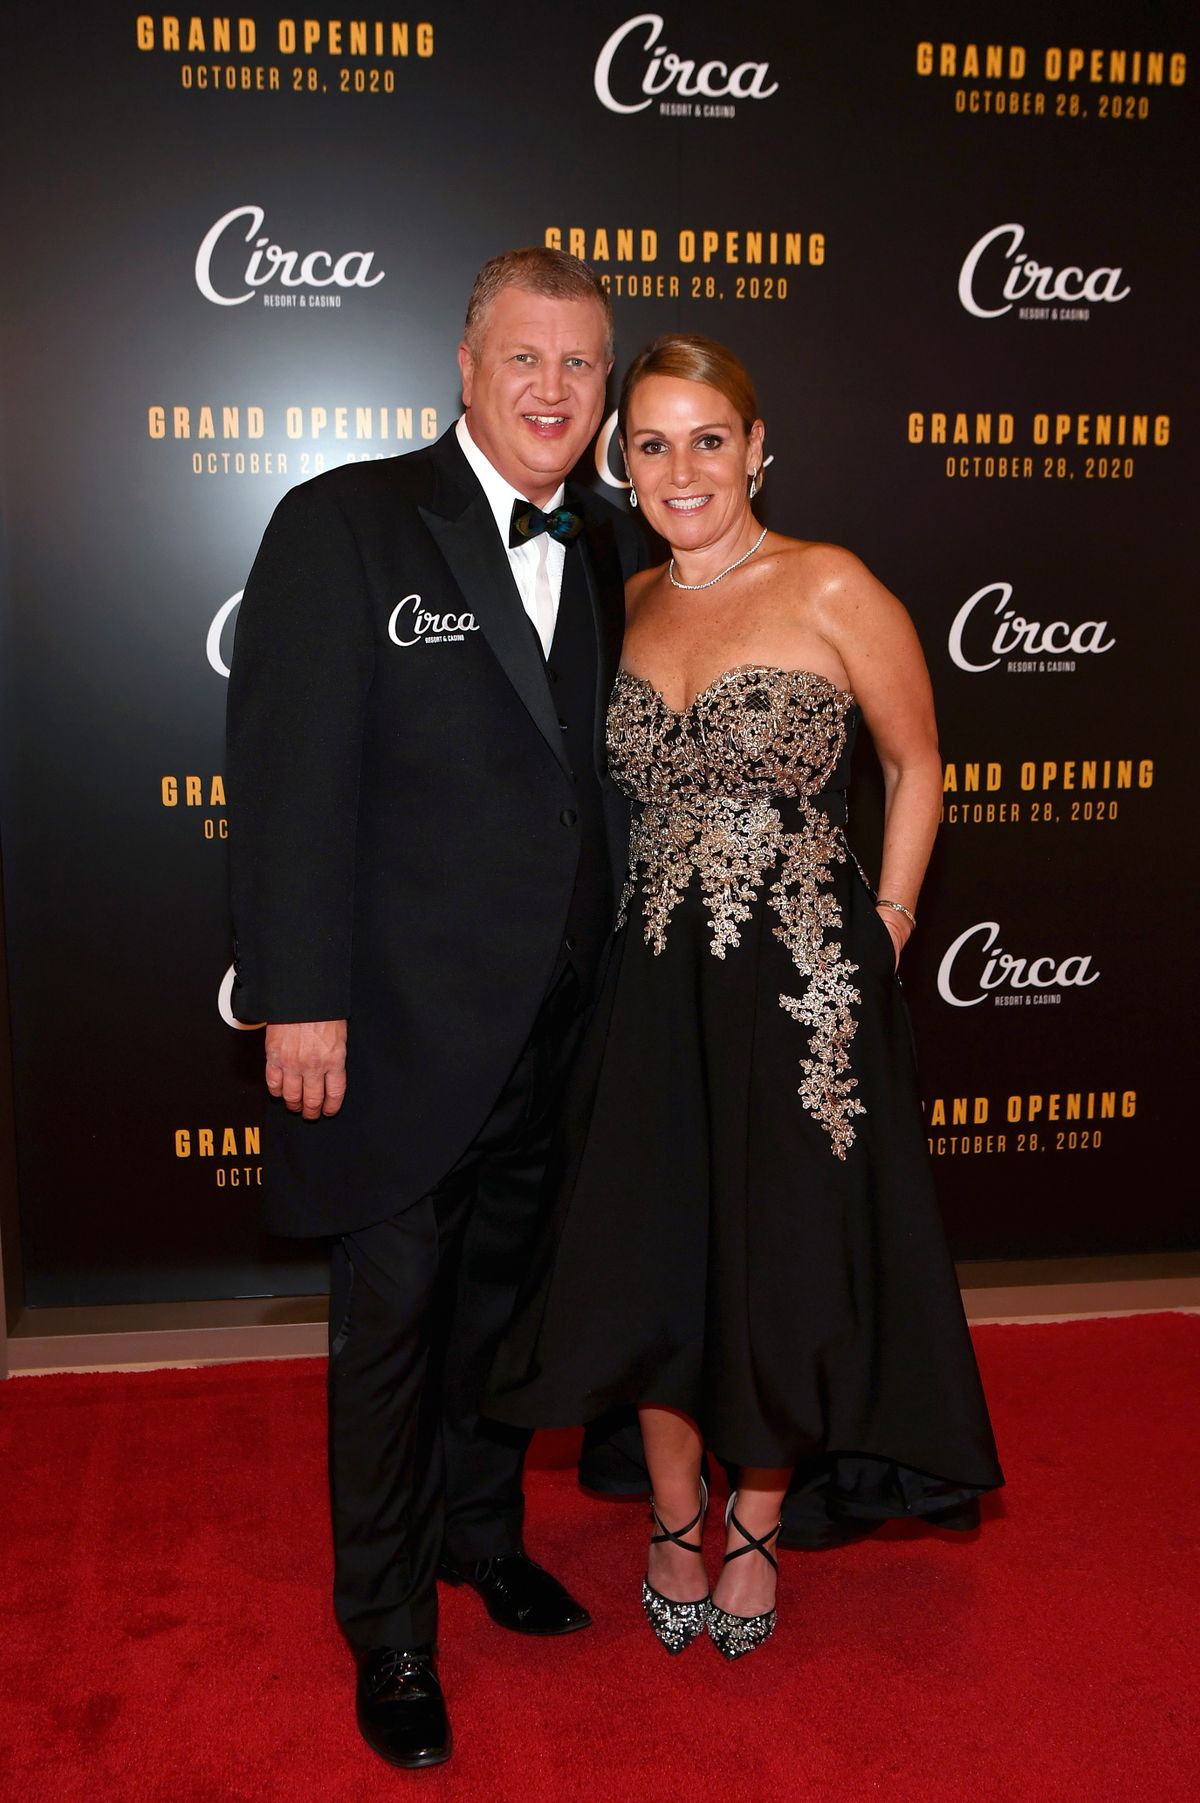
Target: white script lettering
[(1029, 637), (1002, 970), (212, 644), (1027, 278), (268, 261), (665, 70), (423, 622)]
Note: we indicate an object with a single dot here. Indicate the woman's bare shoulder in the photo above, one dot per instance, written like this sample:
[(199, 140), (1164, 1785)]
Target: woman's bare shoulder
[(816, 564), (830, 582)]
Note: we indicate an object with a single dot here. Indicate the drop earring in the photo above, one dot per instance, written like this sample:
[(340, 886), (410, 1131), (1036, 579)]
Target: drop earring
[(755, 483), (633, 500)]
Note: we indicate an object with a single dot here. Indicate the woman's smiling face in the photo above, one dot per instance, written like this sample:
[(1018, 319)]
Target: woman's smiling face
[(691, 458)]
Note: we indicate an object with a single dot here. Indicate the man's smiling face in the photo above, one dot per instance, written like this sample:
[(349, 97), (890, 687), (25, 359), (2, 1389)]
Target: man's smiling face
[(534, 386)]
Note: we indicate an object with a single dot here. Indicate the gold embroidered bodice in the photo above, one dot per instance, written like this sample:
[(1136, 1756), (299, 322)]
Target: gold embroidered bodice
[(728, 789)]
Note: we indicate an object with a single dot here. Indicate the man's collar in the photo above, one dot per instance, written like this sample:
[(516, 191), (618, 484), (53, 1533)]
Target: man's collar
[(500, 493)]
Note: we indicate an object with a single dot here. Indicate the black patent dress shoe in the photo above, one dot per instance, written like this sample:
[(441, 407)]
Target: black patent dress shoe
[(519, 1595), (400, 1707)]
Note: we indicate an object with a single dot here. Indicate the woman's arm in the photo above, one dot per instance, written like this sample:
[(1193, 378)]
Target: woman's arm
[(876, 641)]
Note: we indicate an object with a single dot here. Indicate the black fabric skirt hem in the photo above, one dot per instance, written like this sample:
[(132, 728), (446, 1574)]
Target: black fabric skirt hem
[(853, 1483)]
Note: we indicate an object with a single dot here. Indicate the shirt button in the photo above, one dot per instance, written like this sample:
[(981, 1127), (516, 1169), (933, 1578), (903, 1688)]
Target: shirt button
[(569, 942), (562, 726), (568, 817)]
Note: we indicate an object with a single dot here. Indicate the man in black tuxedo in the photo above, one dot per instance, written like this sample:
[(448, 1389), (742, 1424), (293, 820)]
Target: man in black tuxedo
[(423, 844)]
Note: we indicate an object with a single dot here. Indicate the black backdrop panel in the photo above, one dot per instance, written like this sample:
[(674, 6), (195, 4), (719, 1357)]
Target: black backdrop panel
[(949, 242)]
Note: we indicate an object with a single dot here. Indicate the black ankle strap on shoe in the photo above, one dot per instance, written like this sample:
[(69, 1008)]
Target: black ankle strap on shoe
[(753, 1545), (676, 1537)]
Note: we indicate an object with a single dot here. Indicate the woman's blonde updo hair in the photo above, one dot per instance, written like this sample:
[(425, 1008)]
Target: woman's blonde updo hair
[(691, 357)]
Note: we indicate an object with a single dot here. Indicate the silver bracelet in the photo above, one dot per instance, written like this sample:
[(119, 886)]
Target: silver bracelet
[(899, 907)]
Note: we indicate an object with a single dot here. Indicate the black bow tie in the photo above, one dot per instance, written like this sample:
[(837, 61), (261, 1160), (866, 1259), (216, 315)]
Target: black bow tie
[(528, 521)]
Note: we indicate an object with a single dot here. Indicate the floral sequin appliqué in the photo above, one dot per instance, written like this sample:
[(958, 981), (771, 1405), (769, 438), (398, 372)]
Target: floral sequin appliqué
[(706, 778)]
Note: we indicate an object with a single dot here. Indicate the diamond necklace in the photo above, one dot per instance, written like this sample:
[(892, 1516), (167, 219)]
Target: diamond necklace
[(675, 582)]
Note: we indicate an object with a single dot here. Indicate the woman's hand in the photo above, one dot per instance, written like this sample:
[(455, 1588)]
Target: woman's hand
[(898, 927)]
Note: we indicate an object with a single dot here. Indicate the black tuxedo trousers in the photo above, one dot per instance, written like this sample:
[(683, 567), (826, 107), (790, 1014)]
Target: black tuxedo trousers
[(417, 1307)]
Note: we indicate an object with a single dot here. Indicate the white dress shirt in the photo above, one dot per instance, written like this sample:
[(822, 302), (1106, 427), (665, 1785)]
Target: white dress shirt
[(537, 565)]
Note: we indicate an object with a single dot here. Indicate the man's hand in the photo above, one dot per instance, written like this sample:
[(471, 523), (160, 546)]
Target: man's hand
[(306, 1065)]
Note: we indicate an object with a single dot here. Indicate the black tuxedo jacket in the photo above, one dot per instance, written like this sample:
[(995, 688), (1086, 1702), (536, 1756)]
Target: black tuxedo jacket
[(402, 839)]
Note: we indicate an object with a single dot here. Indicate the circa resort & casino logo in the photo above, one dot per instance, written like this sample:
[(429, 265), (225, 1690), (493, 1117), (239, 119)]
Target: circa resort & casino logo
[(988, 630), (220, 272), (976, 965), (635, 60), (215, 639), (1037, 290)]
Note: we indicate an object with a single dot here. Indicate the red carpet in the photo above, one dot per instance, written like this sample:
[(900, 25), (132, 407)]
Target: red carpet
[(166, 1632)]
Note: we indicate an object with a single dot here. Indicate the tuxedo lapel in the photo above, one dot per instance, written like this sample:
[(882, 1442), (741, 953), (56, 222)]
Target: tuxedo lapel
[(471, 546)]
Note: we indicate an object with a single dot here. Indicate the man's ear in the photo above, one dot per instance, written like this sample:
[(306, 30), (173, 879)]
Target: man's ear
[(466, 365)]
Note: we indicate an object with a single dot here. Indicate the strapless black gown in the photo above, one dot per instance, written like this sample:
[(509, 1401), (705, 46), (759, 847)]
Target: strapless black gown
[(744, 1226)]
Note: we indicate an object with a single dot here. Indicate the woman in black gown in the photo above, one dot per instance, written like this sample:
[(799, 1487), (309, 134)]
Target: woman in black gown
[(745, 1242)]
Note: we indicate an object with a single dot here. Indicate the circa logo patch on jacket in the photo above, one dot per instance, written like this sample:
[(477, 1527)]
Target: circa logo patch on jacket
[(409, 616)]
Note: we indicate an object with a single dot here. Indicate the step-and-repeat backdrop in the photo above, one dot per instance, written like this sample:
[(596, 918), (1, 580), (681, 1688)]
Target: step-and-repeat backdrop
[(952, 244)]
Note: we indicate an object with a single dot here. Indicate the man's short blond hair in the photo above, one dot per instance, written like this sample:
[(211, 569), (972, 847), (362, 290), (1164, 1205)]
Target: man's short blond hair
[(539, 271)]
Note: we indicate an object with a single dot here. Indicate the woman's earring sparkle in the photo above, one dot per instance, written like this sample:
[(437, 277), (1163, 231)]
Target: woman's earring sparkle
[(632, 494), (755, 483)]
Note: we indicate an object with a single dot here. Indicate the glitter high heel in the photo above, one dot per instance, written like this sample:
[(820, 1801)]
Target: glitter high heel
[(676, 1624), (736, 1635)]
